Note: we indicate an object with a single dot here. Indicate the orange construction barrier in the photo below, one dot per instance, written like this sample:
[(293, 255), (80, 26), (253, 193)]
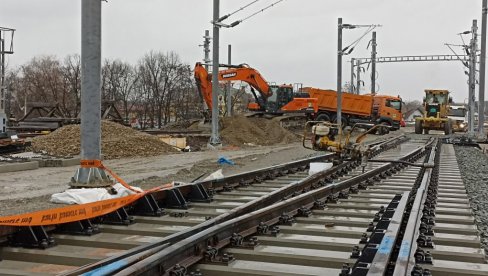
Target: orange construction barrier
[(99, 164), (81, 211)]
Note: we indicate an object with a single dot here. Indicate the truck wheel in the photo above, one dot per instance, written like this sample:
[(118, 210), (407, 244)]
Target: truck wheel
[(343, 119), (323, 117), (383, 130), (418, 127), (448, 128)]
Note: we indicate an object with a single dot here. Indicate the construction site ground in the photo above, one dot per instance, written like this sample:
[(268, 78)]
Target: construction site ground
[(28, 191)]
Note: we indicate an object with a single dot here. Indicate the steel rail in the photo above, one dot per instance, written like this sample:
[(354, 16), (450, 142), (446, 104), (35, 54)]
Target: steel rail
[(228, 182), (279, 194), (125, 259), (405, 260), (385, 249), (192, 249)]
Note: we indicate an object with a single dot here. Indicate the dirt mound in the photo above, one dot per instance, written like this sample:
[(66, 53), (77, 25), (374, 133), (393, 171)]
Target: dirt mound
[(117, 141), (240, 130)]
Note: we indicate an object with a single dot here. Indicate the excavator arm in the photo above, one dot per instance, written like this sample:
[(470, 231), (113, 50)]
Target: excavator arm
[(204, 84), (249, 75), (240, 72)]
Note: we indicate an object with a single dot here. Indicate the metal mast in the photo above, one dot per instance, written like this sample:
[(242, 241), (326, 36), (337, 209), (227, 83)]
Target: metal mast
[(89, 175), (351, 86), (481, 97), (373, 64), (3, 90), (229, 96), (215, 138), (339, 74), (358, 78), (206, 49), (472, 77)]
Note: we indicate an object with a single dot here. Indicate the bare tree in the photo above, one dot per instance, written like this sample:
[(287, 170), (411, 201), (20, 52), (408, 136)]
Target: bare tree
[(71, 71), (14, 106), (119, 80), (158, 90)]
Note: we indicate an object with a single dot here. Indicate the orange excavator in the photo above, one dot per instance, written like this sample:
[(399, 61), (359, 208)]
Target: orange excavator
[(272, 99)]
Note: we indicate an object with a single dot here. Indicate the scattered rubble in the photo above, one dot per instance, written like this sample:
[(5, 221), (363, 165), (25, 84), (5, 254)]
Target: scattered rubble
[(240, 130), (118, 141)]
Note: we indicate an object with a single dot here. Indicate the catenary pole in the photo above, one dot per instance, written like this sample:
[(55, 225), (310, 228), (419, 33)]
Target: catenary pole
[(351, 86), (481, 97), (358, 76), (215, 137), (472, 78), (229, 96), (91, 63), (339, 74), (373, 64)]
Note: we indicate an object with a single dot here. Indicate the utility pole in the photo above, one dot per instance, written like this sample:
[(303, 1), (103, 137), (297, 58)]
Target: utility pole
[(339, 74), (215, 138), (358, 77), (472, 77), (206, 49), (3, 116), (3, 51), (481, 97), (89, 174), (229, 96), (373, 64), (351, 86), (206, 62)]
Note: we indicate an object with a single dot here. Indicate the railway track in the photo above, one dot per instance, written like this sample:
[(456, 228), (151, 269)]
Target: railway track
[(123, 232), (321, 235), (408, 217)]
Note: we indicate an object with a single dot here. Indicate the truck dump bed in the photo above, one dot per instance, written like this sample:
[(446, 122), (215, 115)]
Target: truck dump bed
[(353, 104)]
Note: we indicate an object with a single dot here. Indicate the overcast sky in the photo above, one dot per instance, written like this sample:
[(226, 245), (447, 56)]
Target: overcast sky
[(293, 42)]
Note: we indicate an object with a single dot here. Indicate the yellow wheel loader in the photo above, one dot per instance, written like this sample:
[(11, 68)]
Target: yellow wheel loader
[(436, 109)]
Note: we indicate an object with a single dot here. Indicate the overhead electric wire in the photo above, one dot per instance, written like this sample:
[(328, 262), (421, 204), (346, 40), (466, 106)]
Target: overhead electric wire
[(236, 11), (242, 8), (262, 10), (356, 42)]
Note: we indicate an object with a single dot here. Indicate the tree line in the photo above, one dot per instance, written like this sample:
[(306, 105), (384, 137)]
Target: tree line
[(158, 89)]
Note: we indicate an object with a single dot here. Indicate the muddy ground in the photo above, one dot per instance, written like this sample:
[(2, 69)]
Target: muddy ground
[(30, 190)]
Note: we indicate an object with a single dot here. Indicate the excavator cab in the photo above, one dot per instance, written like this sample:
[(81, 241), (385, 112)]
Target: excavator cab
[(281, 95)]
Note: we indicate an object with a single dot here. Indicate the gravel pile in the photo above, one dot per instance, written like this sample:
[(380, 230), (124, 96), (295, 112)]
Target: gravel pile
[(473, 165), (118, 141), (240, 130)]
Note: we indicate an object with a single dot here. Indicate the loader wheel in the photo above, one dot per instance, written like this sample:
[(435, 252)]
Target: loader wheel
[(418, 127), (448, 128)]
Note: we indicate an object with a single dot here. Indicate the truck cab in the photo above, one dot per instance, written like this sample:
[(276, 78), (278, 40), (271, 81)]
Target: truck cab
[(458, 116), (387, 110)]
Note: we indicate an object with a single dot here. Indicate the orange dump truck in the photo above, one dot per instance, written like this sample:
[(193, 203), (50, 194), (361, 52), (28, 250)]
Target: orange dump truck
[(377, 109)]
